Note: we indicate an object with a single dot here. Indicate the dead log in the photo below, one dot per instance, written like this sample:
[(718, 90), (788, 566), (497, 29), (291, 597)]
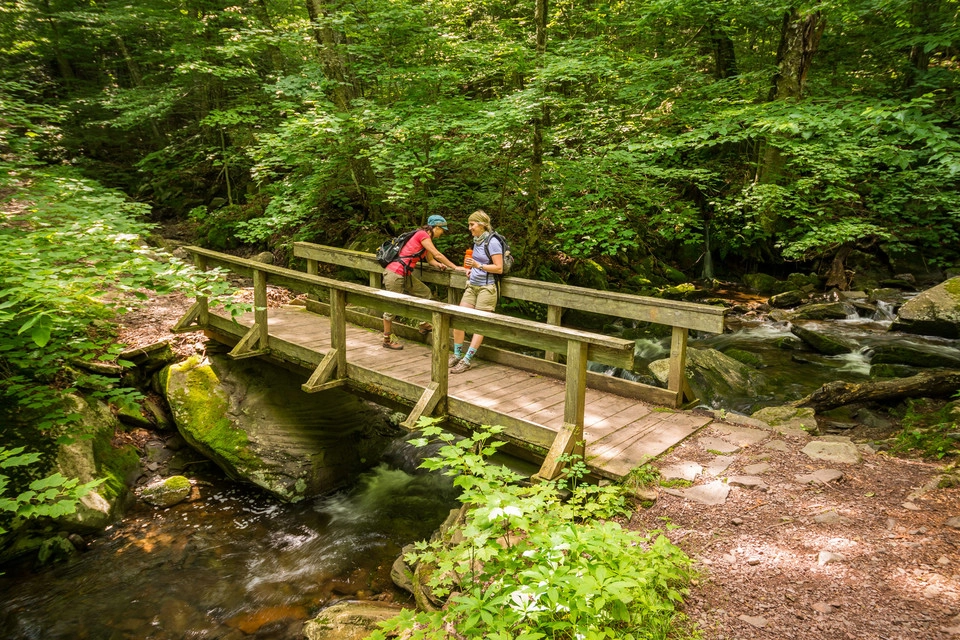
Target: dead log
[(928, 384)]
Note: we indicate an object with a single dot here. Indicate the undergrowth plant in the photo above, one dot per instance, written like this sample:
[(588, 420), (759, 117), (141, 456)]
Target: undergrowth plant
[(524, 564), (932, 434)]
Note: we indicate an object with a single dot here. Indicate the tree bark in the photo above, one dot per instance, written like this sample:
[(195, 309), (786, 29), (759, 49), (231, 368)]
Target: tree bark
[(929, 384), (724, 55), (799, 40)]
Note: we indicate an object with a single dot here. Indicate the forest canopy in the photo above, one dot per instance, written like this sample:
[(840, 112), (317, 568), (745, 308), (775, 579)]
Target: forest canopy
[(626, 133)]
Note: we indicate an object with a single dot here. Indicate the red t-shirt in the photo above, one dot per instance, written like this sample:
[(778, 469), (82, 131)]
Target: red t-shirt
[(408, 259)]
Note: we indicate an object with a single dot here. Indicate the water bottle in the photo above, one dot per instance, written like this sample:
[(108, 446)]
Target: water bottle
[(466, 256)]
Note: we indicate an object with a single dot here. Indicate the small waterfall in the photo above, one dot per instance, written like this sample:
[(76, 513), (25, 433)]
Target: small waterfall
[(885, 311)]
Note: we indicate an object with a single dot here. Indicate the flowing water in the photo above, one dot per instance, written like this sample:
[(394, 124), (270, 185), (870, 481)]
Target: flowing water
[(235, 564)]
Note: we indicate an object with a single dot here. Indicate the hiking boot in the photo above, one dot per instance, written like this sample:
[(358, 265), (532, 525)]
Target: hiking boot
[(463, 365), (424, 328), (389, 344), (454, 359)]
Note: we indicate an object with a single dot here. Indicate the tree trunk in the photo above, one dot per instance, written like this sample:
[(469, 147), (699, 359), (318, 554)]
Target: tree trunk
[(532, 243), (799, 39), (724, 56), (837, 274), (345, 90), (929, 384)]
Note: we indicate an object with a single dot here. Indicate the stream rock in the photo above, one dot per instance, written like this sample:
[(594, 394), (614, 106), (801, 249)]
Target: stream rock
[(713, 375), (916, 355), (822, 341), (255, 423), (934, 312), (825, 311), (353, 620)]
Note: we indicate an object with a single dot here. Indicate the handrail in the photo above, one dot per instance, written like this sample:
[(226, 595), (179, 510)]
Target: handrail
[(675, 313), (579, 346), (679, 315)]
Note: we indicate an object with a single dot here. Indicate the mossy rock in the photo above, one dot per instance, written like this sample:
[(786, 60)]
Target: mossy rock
[(747, 358), (761, 282), (167, 492)]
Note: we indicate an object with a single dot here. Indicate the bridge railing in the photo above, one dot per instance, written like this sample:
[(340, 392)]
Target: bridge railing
[(333, 371), (680, 316)]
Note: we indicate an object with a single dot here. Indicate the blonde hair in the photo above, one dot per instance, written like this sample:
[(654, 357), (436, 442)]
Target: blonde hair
[(481, 217)]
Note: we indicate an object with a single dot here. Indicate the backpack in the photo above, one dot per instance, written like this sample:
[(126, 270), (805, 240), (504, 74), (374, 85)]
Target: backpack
[(507, 256), (390, 250)]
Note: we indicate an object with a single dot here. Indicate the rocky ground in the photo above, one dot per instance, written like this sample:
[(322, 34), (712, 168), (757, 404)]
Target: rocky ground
[(791, 539)]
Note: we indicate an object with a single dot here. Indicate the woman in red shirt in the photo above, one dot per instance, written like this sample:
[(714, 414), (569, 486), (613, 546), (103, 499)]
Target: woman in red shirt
[(398, 275)]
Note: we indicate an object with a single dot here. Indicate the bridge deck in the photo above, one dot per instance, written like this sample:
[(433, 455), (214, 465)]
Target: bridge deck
[(620, 433)]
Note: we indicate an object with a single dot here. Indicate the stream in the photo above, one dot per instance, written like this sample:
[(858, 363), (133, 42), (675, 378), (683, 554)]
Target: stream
[(234, 564)]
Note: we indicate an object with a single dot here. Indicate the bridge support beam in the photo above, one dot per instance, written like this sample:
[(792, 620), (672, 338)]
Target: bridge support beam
[(677, 379), (570, 437)]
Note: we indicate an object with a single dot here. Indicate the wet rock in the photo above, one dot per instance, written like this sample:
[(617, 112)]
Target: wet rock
[(349, 620), (713, 375), (825, 311), (166, 492), (823, 342), (787, 299), (915, 355), (934, 312)]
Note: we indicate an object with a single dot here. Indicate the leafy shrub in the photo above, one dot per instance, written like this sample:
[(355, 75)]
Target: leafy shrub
[(525, 565), (931, 434)]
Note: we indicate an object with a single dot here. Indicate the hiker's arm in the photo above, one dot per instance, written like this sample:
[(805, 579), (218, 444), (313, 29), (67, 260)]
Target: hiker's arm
[(495, 268), (435, 258)]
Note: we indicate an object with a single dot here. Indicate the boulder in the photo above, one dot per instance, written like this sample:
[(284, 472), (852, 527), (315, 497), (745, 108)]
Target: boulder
[(823, 342), (825, 311), (253, 420), (713, 375), (352, 620), (916, 355), (934, 312), (761, 282), (787, 299), (167, 492)]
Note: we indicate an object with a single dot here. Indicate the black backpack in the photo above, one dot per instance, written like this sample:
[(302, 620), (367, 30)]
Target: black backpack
[(390, 250), (507, 256)]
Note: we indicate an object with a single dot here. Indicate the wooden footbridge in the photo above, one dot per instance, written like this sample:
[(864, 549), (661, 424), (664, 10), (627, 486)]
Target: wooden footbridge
[(547, 408)]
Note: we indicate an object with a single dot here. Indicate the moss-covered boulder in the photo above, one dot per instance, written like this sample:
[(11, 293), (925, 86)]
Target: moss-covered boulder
[(713, 375), (94, 456), (825, 311), (761, 282), (167, 492), (253, 420), (823, 342), (353, 620), (934, 312)]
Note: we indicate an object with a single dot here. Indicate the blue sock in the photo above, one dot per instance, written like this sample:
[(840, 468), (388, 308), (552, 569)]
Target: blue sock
[(470, 353), (458, 349)]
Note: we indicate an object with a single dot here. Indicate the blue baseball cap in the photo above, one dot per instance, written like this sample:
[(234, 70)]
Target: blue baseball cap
[(437, 221)]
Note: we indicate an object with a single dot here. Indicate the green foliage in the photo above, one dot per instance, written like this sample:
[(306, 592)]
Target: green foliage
[(524, 566), (930, 434), (51, 497)]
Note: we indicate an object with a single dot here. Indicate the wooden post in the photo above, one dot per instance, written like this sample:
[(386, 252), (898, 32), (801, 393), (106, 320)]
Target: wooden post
[(554, 315), (203, 314), (338, 329), (260, 307), (434, 397), (677, 379), (376, 280), (571, 434)]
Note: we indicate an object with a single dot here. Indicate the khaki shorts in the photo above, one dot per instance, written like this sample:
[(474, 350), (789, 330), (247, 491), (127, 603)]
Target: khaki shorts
[(480, 296), (410, 285)]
